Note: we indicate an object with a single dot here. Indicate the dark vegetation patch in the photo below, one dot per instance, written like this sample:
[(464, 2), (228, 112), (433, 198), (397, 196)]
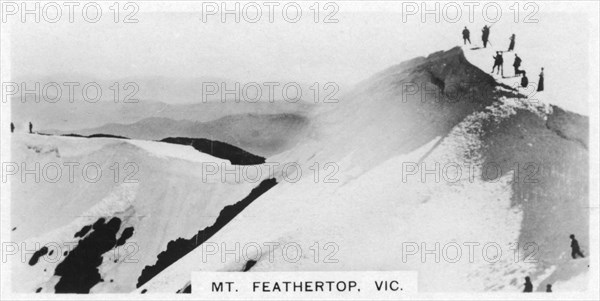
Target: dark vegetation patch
[(187, 289), (180, 247), (106, 136), (127, 233), (218, 149), (79, 271), (83, 231), (36, 256), (39, 289), (95, 136), (99, 223), (249, 265)]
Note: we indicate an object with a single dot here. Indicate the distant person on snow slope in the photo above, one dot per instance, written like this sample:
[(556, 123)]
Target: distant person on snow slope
[(541, 81), (30, 128), (511, 46), (575, 250), (528, 285), (517, 64), (485, 35), (499, 63), (12, 127), (524, 79), (466, 36)]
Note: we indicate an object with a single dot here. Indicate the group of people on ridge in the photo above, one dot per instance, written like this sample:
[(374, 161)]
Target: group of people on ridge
[(485, 35), (499, 60)]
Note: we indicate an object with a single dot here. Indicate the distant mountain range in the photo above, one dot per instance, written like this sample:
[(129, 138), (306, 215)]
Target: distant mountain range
[(261, 134), (162, 97)]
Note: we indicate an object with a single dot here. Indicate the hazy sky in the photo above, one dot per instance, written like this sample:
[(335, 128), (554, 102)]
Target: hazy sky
[(367, 39)]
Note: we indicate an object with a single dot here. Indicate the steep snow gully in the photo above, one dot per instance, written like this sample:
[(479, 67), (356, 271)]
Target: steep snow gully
[(181, 246)]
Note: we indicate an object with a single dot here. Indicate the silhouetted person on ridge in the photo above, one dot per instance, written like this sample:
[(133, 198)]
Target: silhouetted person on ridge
[(524, 79), (528, 285), (501, 64), (485, 34), (517, 64), (548, 288), (498, 62), (495, 57), (575, 248), (511, 46), (466, 36), (541, 81), (12, 127), (30, 128)]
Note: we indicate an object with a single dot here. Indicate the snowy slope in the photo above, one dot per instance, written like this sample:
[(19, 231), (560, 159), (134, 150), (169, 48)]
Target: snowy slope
[(362, 207), (372, 210), (368, 219), (560, 268), (165, 186)]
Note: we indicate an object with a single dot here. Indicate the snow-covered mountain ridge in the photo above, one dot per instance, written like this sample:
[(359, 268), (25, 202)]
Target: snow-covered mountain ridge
[(368, 203)]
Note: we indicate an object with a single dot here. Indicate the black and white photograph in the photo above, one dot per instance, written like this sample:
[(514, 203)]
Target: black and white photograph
[(299, 150)]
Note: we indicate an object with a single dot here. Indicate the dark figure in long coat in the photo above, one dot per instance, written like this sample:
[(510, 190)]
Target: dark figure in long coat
[(466, 36), (511, 46), (575, 250), (541, 81), (528, 285), (485, 35)]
